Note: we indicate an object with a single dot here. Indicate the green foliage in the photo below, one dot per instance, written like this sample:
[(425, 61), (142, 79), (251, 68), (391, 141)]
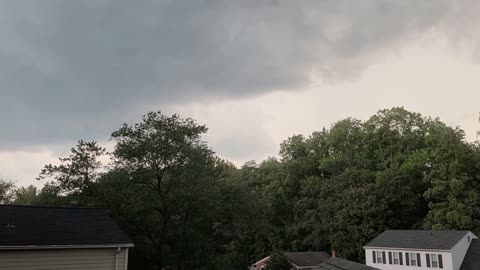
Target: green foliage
[(7, 192), (26, 195), (337, 188), (78, 172)]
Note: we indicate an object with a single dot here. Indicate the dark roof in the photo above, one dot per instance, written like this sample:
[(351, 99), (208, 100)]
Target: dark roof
[(45, 226), (472, 258), (418, 239), (342, 264), (309, 258)]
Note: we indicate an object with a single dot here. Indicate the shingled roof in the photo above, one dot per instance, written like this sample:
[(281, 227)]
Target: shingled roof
[(418, 239), (309, 258), (23, 226), (472, 258), (342, 264)]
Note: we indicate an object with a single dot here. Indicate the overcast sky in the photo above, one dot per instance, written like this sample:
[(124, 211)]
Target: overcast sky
[(255, 72)]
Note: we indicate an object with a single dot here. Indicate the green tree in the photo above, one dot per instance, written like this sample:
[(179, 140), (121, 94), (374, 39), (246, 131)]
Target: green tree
[(453, 177), (78, 172), (165, 157), (334, 189), (26, 195), (7, 192), (396, 170)]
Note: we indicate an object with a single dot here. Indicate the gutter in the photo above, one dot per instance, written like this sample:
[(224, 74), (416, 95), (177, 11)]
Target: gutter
[(64, 246), (407, 249), (126, 259), (116, 257)]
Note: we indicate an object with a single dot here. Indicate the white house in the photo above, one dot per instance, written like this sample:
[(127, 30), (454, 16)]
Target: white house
[(423, 250)]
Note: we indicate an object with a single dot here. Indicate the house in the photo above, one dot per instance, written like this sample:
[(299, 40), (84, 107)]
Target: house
[(422, 250), (336, 263), (38, 238), (298, 260)]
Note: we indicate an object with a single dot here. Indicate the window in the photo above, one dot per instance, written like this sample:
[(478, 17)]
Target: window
[(468, 238), (434, 261), (396, 257), (413, 259), (379, 257)]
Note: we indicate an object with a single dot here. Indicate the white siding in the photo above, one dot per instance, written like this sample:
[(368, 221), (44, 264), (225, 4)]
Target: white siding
[(460, 249), (446, 258), (71, 259)]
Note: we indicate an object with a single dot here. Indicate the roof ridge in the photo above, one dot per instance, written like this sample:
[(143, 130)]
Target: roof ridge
[(445, 230), (51, 207), (418, 239)]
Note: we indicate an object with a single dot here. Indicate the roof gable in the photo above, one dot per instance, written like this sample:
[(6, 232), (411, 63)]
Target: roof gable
[(50, 226), (418, 239)]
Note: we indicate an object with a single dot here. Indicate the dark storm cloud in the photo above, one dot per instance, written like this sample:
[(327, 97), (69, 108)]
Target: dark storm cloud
[(75, 69)]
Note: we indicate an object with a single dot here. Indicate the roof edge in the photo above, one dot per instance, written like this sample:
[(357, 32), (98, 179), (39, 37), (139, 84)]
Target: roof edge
[(50, 207), (419, 249), (266, 258), (127, 245)]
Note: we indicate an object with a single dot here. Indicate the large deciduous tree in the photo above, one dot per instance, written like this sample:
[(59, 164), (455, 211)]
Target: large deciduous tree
[(337, 188), (166, 158)]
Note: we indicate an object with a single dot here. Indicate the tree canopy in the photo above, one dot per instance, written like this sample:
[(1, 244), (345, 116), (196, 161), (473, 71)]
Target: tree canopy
[(337, 188)]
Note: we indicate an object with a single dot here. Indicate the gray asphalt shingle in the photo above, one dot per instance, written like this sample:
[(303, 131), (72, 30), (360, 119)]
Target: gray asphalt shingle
[(45, 226), (472, 258), (342, 264), (417, 239), (309, 258)]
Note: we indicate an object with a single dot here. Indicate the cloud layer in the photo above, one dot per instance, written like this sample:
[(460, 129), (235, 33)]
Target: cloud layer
[(77, 69)]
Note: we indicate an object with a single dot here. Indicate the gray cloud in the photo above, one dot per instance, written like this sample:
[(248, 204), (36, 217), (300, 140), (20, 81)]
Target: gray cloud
[(77, 69)]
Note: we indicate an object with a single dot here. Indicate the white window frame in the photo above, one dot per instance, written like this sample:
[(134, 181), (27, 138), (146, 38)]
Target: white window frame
[(413, 258), (379, 257), (436, 261), (396, 258)]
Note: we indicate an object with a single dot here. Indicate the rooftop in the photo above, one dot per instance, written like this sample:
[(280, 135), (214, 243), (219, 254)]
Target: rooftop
[(342, 264), (418, 239), (309, 258), (472, 258), (57, 226)]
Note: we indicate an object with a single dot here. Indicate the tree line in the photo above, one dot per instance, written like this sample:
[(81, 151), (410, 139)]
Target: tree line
[(186, 208)]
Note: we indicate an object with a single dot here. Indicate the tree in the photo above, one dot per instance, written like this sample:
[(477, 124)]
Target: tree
[(397, 170), (6, 191), (336, 188), (26, 195), (453, 177), (278, 262), (165, 157), (78, 172)]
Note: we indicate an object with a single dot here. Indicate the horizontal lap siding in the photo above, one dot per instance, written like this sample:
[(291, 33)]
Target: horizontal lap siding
[(71, 259)]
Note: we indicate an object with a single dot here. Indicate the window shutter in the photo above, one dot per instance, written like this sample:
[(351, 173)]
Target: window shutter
[(418, 260), (401, 258), (407, 260), (374, 257), (390, 257), (428, 259), (384, 258), (440, 261)]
